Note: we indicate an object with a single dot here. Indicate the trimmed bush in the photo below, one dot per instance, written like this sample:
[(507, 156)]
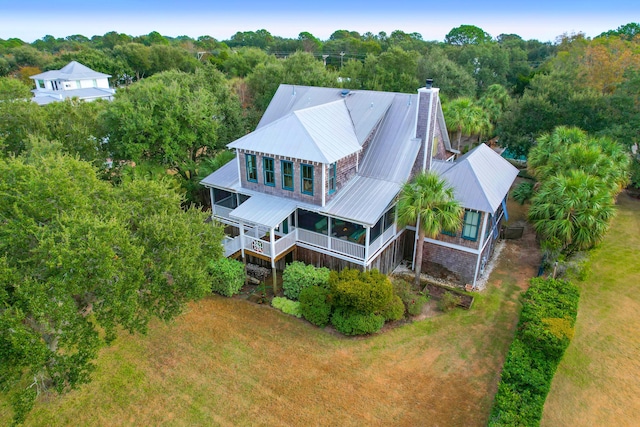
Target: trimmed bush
[(287, 306), (298, 275), (228, 276), (394, 310), (366, 292), (351, 322), (523, 192), (545, 329), (414, 306), (315, 305)]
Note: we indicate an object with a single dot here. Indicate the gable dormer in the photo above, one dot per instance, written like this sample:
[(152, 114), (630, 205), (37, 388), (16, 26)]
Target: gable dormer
[(307, 155)]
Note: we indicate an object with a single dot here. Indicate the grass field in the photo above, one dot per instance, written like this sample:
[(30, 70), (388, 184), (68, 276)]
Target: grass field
[(230, 362), (598, 381)]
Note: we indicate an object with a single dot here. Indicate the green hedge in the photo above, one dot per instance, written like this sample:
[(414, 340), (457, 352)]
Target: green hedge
[(351, 322), (228, 276), (394, 310), (545, 329), (287, 306), (298, 275), (366, 292), (315, 305)]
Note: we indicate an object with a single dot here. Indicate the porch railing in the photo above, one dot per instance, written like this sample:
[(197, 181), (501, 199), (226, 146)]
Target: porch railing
[(231, 245), (347, 248), (382, 239), (221, 211), (285, 242)]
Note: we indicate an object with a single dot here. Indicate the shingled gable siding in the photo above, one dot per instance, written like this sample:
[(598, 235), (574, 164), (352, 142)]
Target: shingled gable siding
[(346, 169), (277, 190)]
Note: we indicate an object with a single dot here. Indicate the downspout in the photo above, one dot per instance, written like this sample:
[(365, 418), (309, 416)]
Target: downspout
[(213, 211), (239, 168), (366, 247)]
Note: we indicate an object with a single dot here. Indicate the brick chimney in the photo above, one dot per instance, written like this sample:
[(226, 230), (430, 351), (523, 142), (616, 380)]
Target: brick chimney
[(426, 122)]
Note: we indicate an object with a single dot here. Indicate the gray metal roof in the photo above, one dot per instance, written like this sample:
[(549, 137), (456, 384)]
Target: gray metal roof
[(322, 133), (364, 200), (366, 108), (394, 148), (226, 177), (264, 209), (480, 179), (72, 71)]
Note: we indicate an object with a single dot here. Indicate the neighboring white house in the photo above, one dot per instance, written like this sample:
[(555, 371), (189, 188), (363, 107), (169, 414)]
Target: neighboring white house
[(74, 80)]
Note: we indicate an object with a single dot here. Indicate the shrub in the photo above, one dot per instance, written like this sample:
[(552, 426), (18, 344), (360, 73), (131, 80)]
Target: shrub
[(287, 306), (414, 307), (523, 192), (449, 301), (315, 305), (351, 322), (366, 292), (546, 326), (228, 276), (394, 310), (298, 276)]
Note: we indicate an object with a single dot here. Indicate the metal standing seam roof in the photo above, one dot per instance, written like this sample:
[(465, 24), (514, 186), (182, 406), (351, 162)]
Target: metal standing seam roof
[(481, 179), (226, 177), (394, 148), (72, 71), (322, 133), (366, 108), (264, 210)]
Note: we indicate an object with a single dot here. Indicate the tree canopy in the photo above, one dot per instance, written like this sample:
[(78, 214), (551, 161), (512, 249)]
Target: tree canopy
[(80, 259)]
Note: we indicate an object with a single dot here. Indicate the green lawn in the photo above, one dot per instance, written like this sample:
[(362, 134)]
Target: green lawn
[(230, 362), (598, 381)]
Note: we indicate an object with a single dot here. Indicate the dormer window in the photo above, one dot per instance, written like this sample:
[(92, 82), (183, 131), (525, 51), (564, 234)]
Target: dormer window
[(269, 171), (332, 177), (306, 172), (252, 167)]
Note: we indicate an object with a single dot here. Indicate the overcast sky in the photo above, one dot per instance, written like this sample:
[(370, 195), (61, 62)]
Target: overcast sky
[(543, 20)]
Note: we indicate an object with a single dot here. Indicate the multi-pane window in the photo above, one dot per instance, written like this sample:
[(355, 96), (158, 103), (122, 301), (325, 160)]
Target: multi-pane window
[(306, 173), (287, 174), (332, 177), (471, 225), (252, 167), (269, 171)]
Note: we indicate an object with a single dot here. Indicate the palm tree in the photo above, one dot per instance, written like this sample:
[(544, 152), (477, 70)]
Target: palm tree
[(429, 203), (572, 212), (463, 117)]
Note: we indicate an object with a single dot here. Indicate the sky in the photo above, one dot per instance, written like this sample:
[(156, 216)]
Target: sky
[(542, 20)]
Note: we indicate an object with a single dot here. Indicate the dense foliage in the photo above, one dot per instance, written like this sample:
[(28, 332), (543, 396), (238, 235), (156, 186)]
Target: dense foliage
[(287, 306), (315, 305), (545, 329), (579, 177), (298, 276), (353, 322), (227, 275), (81, 259), (366, 292)]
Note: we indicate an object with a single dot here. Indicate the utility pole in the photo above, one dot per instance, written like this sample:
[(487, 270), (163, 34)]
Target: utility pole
[(324, 60), (341, 58)]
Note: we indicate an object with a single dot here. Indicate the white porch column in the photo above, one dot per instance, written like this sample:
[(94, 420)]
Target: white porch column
[(242, 238), (329, 223), (366, 244), (272, 242), (480, 245), (415, 245), (324, 183), (213, 205)]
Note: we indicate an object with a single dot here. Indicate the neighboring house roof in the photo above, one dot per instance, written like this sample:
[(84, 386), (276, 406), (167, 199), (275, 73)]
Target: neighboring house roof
[(481, 178), (72, 71), (43, 97), (322, 133)]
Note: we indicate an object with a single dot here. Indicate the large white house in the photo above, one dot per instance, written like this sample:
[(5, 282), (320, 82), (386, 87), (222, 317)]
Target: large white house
[(318, 181), (74, 80)]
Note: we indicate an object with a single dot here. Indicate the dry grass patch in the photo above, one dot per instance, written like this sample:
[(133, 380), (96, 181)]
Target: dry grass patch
[(597, 381), (229, 362)]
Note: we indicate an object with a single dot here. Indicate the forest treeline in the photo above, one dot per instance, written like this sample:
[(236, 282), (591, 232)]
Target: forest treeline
[(500, 87)]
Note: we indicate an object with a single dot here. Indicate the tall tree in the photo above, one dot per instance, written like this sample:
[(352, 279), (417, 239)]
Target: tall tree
[(464, 117), (81, 259), (429, 203)]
